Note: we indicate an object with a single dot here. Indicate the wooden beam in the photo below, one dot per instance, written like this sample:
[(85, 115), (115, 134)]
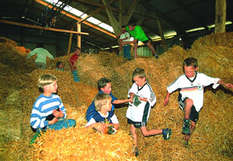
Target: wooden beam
[(78, 36), (220, 16), (77, 19), (70, 43), (41, 28)]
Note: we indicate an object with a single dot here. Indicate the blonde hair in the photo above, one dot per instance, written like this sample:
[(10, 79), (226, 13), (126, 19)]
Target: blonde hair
[(101, 99), (46, 79), (139, 72)]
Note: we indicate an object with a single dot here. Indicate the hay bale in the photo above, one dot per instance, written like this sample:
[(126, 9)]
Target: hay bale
[(84, 144)]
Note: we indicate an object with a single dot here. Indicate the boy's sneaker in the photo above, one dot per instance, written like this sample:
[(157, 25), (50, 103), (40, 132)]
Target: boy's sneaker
[(186, 127), (136, 151), (166, 133)]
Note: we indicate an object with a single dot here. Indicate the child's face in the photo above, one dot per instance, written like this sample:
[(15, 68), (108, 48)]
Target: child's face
[(107, 89), (189, 71), (108, 105), (60, 65), (51, 88), (139, 81)]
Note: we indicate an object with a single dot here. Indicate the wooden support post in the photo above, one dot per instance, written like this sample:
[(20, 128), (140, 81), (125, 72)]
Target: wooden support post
[(161, 33), (79, 36), (220, 16), (70, 43)]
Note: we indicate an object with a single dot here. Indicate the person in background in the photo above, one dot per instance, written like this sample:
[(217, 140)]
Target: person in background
[(60, 66), (42, 54), (125, 41), (73, 63), (138, 34)]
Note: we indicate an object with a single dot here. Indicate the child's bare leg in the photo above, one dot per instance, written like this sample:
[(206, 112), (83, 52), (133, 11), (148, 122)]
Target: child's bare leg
[(146, 132), (192, 127), (133, 132), (187, 108), (187, 111)]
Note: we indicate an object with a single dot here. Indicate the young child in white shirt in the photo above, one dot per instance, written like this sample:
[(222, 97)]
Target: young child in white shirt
[(138, 112), (191, 89)]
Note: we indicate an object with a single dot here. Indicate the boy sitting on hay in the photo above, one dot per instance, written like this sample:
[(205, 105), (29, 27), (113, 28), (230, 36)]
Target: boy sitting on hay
[(104, 121), (48, 110), (104, 86), (191, 89)]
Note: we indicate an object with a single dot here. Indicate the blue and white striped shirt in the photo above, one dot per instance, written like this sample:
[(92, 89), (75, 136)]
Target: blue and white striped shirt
[(43, 107)]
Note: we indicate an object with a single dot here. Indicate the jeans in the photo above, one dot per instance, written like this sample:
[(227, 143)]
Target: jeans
[(127, 54)]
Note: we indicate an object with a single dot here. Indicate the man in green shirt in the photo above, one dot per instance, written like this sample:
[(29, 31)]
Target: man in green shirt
[(139, 35), (41, 58)]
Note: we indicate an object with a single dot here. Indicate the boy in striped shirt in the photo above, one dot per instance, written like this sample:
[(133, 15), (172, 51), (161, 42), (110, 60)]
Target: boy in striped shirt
[(48, 111)]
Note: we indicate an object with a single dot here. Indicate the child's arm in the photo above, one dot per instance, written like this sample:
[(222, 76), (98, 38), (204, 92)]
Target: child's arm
[(228, 85), (166, 100), (53, 121), (98, 126), (122, 101), (58, 113)]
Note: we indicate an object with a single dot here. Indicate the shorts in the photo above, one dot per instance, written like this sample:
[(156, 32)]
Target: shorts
[(144, 118), (137, 124), (194, 115)]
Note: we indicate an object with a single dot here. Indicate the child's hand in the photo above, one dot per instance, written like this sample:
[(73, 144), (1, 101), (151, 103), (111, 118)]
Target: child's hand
[(58, 113), (143, 99), (131, 99), (101, 127), (53, 121), (229, 85)]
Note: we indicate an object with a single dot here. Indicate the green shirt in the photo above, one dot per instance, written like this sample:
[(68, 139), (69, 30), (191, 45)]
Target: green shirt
[(42, 54), (138, 33)]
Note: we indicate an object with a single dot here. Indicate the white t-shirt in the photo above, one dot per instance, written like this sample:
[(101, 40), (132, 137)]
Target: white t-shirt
[(113, 119), (125, 35), (135, 113), (193, 88)]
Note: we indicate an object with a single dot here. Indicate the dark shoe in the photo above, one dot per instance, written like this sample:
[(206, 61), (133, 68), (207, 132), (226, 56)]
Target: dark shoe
[(186, 127), (156, 56), (166, 133), (136, 151)]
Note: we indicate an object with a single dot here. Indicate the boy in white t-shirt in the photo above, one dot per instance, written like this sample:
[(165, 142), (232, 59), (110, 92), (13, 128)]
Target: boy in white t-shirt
[(191, 89), (138, 112), (125, 40)]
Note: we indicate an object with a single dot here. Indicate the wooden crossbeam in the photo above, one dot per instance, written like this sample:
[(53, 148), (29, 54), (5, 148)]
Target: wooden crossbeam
[(77, 19), (42, 28)]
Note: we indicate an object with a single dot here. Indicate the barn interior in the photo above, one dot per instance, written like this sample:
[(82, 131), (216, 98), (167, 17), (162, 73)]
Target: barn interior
[(178, 29)]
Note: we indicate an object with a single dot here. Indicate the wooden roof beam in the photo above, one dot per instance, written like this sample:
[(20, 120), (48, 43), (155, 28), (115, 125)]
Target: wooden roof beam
[(77, 19)]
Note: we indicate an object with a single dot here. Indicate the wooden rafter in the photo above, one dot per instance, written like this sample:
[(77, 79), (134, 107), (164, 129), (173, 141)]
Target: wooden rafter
[(77, 19), (41, 28)]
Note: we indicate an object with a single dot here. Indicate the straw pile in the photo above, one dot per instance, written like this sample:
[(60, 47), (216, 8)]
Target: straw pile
[(212, 139)]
